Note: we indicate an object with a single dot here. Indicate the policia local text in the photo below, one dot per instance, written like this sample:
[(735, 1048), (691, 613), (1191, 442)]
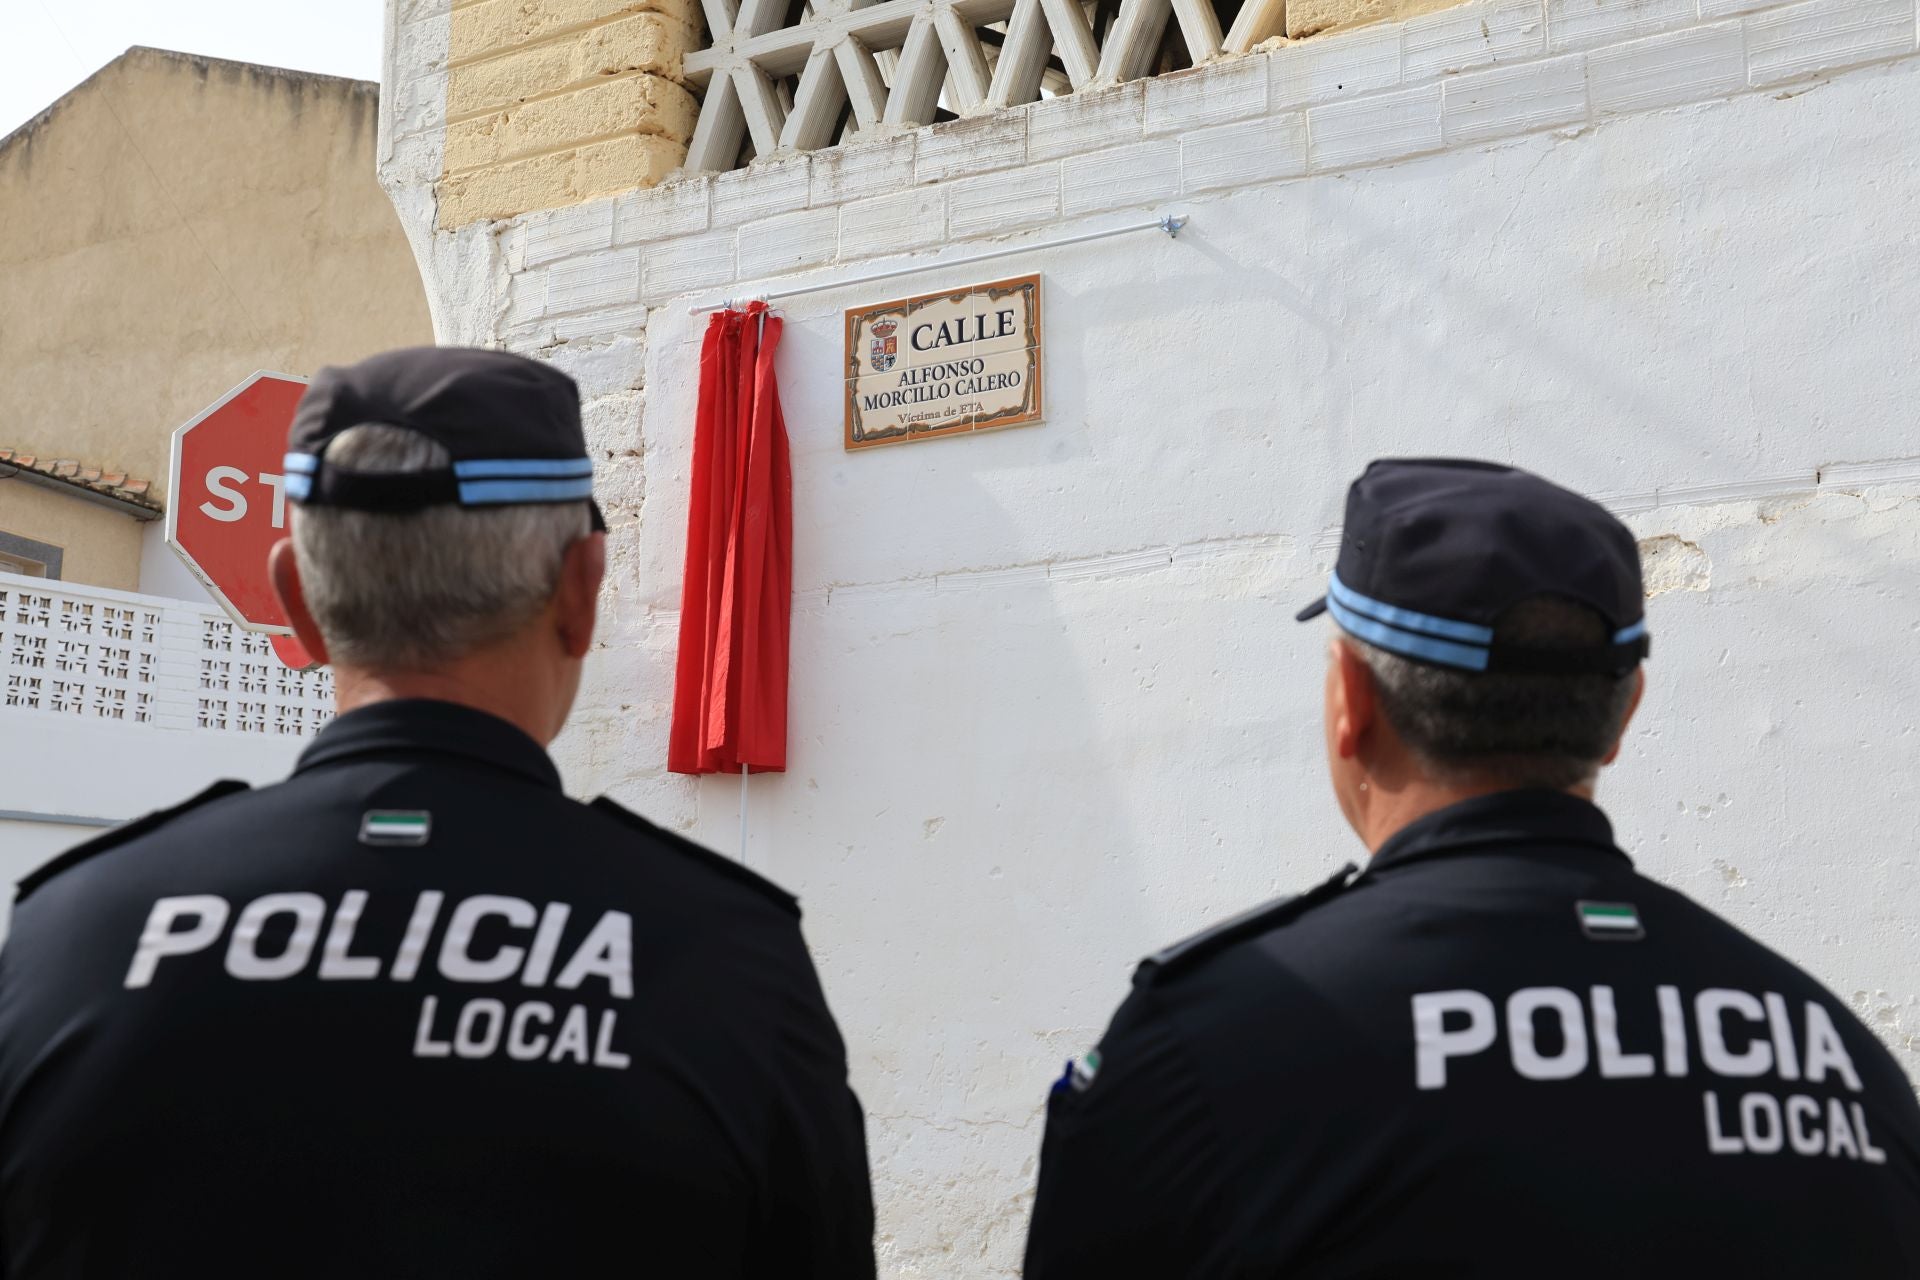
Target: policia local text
[(1739, 1035), (525, 1031)]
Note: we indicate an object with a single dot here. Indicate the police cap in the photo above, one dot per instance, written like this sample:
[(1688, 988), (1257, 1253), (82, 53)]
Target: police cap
[(1435, 550), (510, 425)]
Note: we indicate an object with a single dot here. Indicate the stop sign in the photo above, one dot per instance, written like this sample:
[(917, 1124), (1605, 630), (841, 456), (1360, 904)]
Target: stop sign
[(227, 501)]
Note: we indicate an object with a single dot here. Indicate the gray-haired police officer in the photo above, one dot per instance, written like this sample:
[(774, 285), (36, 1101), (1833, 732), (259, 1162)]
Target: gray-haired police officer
[(413, 1011), (1498, 1051)]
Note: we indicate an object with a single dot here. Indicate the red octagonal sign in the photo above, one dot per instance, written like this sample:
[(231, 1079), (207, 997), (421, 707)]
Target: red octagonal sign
[(227, 501)]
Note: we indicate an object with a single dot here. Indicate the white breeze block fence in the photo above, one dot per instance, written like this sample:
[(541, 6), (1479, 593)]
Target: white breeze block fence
[(114, 704)]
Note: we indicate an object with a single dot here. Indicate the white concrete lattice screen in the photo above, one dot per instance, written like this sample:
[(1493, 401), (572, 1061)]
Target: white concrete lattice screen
[(789, 87), (144, 661)]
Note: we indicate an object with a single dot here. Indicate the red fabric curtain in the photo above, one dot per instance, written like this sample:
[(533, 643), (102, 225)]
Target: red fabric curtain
[(730, 685)]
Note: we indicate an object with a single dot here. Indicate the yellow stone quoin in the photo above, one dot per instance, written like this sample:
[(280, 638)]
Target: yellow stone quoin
[(552, 102)]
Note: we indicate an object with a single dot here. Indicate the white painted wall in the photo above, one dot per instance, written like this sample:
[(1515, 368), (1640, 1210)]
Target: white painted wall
[(1049, 707)]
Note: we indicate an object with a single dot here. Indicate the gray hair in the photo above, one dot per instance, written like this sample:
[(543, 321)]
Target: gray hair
[(411, 590), (1509, 728)]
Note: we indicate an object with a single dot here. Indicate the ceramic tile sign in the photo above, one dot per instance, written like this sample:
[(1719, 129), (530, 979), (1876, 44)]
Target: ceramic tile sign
[(944, 363)]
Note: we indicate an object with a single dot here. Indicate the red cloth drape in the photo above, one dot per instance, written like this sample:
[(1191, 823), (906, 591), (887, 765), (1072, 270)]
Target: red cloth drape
[(730, 685)]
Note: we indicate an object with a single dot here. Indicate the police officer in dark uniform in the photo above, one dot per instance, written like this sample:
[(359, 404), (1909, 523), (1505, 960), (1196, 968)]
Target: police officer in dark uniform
[(414, 1012), (1499, 1050)]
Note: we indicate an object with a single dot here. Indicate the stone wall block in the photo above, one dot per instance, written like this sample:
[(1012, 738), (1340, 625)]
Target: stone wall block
[(1144, 173), (912, 219), (499, 25), (660, 213), (595, 281), (526, 299), (1002, 202), (1471, 36), (558, 178), (615, 363), (1353, 62), (870, 167), (1582, 24), (599, 324), (419, 104), (1660, 71), (962, 147), (1082, 122), (620, 164), (1823, 35), (761, 190), (412, 11), (789, 242), (563, 233), (1233, 155), (644, 42), (428, 45), (1370, 130), (636, 104), (680, 266), (1505, 101), (1215, 94)]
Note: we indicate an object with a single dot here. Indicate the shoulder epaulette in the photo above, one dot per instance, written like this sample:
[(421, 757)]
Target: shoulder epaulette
[(700, 853), (120, 835), (1186, 953)]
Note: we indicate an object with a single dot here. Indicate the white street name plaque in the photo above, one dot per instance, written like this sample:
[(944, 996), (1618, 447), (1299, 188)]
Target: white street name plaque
[(944, 363)]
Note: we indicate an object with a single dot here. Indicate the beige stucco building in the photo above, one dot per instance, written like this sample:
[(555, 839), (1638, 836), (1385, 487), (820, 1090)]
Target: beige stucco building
[(172, 225)]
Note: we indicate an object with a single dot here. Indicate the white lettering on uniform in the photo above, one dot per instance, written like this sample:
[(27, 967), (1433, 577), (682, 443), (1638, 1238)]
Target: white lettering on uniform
[(1708, 1008), (545, 943), (419, 928), (244, 960), (607, 952), (335, 962), (1868, 1152), (1763, 1139), (1801, 1109), (604, 1054), (1718, 1143), (572, 1039), (1825, 1049), (1786, 1060), (159, 938), (1522, 1005), (1434, 1044), (1606, 1036), (469, 1043), (1673, 1031), (457, 964), (519, 1047), (1839, 1136), (424, 1045)]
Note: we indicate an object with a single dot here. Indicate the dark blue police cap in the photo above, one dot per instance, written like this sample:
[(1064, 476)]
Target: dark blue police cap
[(1435, 550), (510, 425)]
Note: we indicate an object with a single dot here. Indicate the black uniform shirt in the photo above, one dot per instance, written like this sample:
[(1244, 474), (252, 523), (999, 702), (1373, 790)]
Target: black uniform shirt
[(1499, 1052), (413, 1012)]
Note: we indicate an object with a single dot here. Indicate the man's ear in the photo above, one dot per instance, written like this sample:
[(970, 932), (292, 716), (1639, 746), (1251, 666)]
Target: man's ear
[(284, 569), (577, 599), (1354, 705), (1633, 705)]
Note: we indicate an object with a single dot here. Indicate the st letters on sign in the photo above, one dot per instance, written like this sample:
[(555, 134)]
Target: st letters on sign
[(944, 363)]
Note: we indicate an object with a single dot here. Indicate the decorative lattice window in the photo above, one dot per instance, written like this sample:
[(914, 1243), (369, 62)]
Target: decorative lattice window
[(796, 75)]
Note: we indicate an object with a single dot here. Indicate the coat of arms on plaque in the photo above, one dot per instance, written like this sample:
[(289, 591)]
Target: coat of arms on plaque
[(884, 347)]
